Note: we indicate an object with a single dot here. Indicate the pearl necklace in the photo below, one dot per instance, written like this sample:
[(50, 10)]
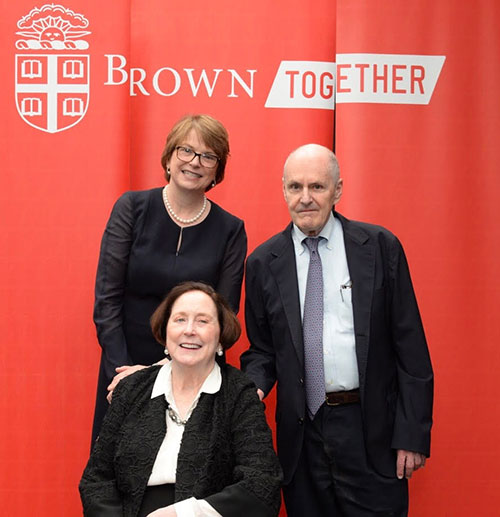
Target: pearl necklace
[(170, 210), (174, 416)]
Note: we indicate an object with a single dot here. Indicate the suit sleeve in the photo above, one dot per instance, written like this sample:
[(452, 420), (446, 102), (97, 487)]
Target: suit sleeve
[(231, 273), (413, 419), (110, 284), (259, 361), (255, 491)]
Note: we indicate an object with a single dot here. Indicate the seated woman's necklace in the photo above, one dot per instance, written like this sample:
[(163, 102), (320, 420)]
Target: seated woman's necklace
[(174, 416)]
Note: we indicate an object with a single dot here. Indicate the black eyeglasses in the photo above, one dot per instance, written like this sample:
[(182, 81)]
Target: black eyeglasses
[(186, 154)]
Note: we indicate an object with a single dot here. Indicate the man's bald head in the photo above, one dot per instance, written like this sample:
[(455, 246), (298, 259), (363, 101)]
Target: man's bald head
[(312, 186)]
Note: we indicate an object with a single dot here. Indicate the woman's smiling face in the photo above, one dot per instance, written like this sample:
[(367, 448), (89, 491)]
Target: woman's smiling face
[(193, 331), (191, 175)]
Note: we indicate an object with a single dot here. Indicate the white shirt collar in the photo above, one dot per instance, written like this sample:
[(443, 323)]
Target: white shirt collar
[(163, 382), (326, 232)]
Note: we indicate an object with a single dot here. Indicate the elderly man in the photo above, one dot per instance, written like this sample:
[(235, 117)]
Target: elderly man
[(332, 318)]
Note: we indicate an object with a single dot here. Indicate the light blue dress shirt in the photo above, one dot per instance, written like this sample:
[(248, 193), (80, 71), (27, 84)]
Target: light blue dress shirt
[(339, 351)]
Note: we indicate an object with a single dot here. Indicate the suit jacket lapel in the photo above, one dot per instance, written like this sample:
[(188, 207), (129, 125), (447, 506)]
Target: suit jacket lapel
[(361, 263), (284, 269), (360, 254)]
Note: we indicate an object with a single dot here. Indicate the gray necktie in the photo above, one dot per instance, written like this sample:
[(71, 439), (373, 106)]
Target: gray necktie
[(313, 329)]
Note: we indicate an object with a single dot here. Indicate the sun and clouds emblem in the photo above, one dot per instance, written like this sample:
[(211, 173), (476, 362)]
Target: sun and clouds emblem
[(52, 27)]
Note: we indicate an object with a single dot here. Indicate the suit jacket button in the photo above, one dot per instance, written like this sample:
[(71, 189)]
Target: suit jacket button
[(301, 381), (301, 421)]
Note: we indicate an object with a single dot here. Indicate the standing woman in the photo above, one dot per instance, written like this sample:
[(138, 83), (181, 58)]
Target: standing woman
[(157, 238)]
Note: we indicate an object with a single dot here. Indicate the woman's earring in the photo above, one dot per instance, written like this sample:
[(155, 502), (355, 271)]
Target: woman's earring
[(213, 184), (166, 353), (168, 173), (220, 351)]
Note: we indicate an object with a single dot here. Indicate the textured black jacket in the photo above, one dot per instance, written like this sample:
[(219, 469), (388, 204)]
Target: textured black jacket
[(226, 455)]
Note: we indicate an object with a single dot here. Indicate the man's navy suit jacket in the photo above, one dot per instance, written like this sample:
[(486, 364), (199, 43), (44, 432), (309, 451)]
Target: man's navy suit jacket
[(395, 372)]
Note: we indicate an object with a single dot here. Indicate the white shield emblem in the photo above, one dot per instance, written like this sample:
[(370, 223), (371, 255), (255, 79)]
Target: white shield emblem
[(52, 90)]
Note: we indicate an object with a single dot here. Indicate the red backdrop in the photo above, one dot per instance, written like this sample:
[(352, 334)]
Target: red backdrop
[(415, 127)]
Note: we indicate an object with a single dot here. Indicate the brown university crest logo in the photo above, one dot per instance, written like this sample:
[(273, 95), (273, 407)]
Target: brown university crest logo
[(52, 73)]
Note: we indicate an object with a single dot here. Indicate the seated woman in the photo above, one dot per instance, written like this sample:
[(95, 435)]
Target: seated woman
[(189, 437)]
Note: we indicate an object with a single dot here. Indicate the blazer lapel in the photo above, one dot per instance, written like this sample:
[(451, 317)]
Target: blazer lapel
[(284, 269), (360, 254)]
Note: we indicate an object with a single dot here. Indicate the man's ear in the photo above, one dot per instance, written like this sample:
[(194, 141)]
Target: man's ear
[(339, 188)]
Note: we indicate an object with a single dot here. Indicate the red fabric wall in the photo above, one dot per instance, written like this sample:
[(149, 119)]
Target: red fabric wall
[(430, 173)]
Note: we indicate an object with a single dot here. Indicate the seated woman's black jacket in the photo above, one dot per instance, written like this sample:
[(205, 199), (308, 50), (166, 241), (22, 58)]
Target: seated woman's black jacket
[(226, 455)]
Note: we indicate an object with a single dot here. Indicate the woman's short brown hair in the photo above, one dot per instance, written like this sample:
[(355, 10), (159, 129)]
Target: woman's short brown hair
[(210, 131), (230, 328)]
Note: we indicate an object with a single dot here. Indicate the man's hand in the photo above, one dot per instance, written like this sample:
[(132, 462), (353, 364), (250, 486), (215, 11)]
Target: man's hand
[(122, 372), (408, 462)]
